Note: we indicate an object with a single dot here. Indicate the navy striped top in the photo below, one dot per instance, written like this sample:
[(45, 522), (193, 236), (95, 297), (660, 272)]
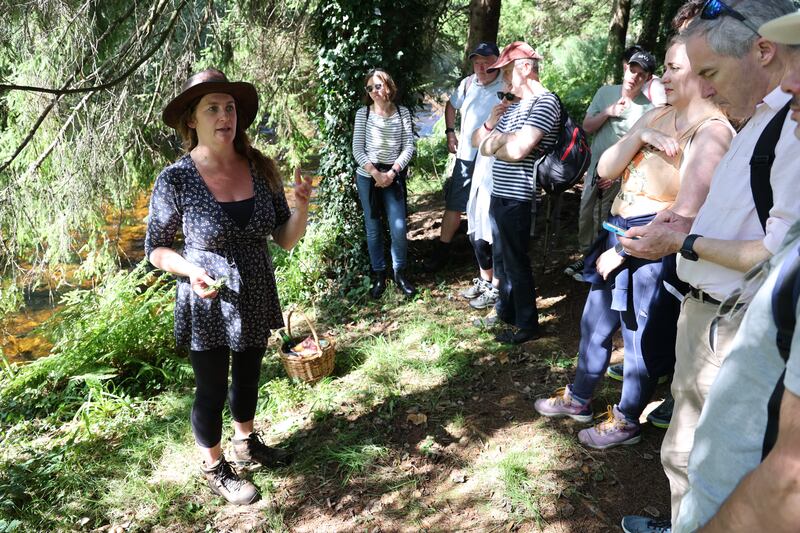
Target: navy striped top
[(384, 140), (517, 179)]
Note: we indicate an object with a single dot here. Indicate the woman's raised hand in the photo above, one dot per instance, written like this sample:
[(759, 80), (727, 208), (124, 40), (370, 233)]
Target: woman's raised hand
[(659, 141), (302, 189)]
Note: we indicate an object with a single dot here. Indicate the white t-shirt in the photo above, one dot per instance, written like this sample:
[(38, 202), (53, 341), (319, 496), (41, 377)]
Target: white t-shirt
[(475, 103)]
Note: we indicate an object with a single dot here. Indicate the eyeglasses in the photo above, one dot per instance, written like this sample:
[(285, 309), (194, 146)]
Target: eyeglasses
[(376, 87), (713, 9), (508, 96)]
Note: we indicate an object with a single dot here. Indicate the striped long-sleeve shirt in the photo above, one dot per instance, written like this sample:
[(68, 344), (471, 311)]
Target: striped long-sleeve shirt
[(386, 140), (517, 179)]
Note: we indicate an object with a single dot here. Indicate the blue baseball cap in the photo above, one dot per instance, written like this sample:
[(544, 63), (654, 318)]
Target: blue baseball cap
[(486, 50)]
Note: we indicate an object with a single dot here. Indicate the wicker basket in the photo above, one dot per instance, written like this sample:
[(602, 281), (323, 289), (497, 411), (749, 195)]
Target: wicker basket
[(309, 368)]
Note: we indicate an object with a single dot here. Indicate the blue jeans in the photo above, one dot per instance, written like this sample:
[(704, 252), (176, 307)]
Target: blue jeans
[(395, 208), (511, 229)]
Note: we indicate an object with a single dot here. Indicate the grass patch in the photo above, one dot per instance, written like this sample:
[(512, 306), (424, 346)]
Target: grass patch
[(518, 485)]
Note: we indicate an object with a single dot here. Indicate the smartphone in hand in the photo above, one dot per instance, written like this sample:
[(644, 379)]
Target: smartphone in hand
[(616, 229)]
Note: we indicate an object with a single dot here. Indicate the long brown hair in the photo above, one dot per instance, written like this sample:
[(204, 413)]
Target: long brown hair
[(265, 166)]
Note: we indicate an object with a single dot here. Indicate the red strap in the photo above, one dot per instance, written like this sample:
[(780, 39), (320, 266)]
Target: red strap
[(571, 144)]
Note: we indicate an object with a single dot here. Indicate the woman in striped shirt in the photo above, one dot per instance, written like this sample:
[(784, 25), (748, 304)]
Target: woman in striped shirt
[(383, 143)]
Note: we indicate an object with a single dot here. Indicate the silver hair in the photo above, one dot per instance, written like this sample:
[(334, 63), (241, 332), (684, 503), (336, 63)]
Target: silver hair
[(534, 63), (729, 37)]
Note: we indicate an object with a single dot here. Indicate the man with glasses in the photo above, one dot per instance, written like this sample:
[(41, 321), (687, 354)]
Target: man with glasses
[(475, 98), (517, 137), (727, 237), (731, 489), (613, 111)]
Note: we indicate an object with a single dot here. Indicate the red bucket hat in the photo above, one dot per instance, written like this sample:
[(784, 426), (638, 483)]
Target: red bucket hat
[(213, 81), (512, 52)]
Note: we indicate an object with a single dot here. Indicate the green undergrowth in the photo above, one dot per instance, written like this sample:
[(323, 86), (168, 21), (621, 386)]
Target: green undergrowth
[(98, 432)]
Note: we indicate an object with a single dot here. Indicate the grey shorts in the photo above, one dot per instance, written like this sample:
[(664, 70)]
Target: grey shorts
[(456, 190)]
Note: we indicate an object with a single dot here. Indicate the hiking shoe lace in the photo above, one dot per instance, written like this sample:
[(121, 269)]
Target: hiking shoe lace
[(563, 403), (251, 454), (224, 481), (488, 298), (645, 524), (614, 430), (479, 285)]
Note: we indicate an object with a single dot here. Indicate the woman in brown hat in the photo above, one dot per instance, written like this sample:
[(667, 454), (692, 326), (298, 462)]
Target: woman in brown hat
[(227, 199)]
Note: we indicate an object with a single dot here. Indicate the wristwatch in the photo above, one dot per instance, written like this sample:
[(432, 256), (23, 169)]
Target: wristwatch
[(687, 248), (449, 130), (620, 250)]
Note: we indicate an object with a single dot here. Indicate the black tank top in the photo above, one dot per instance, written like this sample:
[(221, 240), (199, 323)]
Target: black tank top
[(240, 211)]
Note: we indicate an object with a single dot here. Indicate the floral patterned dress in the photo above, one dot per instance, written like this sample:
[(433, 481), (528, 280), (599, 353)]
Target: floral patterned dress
[(247, 306)]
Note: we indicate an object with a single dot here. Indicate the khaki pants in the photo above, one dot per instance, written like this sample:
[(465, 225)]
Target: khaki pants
[(591, 216), (700, 349)]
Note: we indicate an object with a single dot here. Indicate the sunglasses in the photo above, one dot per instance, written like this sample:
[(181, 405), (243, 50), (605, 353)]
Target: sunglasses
[(376, 87), (713, 9), (508, 96)]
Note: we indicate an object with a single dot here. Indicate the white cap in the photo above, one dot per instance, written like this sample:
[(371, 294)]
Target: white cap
[(785, 29)]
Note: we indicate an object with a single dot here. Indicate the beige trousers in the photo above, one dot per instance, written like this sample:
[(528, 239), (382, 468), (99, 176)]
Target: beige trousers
[(702, 345), (591, 215)]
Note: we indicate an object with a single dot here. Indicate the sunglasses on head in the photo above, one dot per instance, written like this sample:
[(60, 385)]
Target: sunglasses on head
[(713, 9), (376, 87), (508, 96)]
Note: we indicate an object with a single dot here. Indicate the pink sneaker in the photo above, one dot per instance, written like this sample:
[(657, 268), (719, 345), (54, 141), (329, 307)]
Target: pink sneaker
[(615, 430), (562, 404)]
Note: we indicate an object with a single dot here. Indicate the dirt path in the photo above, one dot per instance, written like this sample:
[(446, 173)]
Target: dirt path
[(479, 458)]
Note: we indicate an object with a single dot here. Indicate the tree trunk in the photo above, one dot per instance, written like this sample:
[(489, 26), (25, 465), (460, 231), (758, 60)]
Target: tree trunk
[(652, 20), (484, 21), (665, 27), (620, 15)]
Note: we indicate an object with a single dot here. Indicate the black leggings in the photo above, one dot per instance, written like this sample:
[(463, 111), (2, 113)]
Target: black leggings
[(483, 252), (211, 379)]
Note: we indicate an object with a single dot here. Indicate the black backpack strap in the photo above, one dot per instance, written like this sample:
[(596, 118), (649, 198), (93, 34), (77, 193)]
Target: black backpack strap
[(761, 164), (784, 305), (562, 119)]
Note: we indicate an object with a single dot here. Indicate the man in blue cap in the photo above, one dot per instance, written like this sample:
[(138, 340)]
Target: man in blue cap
[(475, 97)]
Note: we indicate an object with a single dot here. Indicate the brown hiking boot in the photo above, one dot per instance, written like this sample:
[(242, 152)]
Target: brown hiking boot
[(251, 454), (224, 481)]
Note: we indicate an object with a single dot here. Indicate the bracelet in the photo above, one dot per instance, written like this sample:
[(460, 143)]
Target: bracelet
[(487, 127), (449, 130)]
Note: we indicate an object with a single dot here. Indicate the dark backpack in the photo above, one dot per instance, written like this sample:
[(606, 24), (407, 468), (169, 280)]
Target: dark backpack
[(566, 163), (784, 296), (784, 305), (761, 164)]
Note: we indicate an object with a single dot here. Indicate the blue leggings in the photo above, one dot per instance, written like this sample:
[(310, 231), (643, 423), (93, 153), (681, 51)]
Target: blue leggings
[(211, 379), (599, 322)]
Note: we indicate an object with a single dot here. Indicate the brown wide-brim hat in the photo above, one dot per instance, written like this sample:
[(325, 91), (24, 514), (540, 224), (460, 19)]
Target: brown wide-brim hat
[(213, 81), (512, 52)]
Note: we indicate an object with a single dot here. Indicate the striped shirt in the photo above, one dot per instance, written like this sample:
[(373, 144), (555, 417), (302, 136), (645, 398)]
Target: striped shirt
[(386, 140), (517, 179)]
